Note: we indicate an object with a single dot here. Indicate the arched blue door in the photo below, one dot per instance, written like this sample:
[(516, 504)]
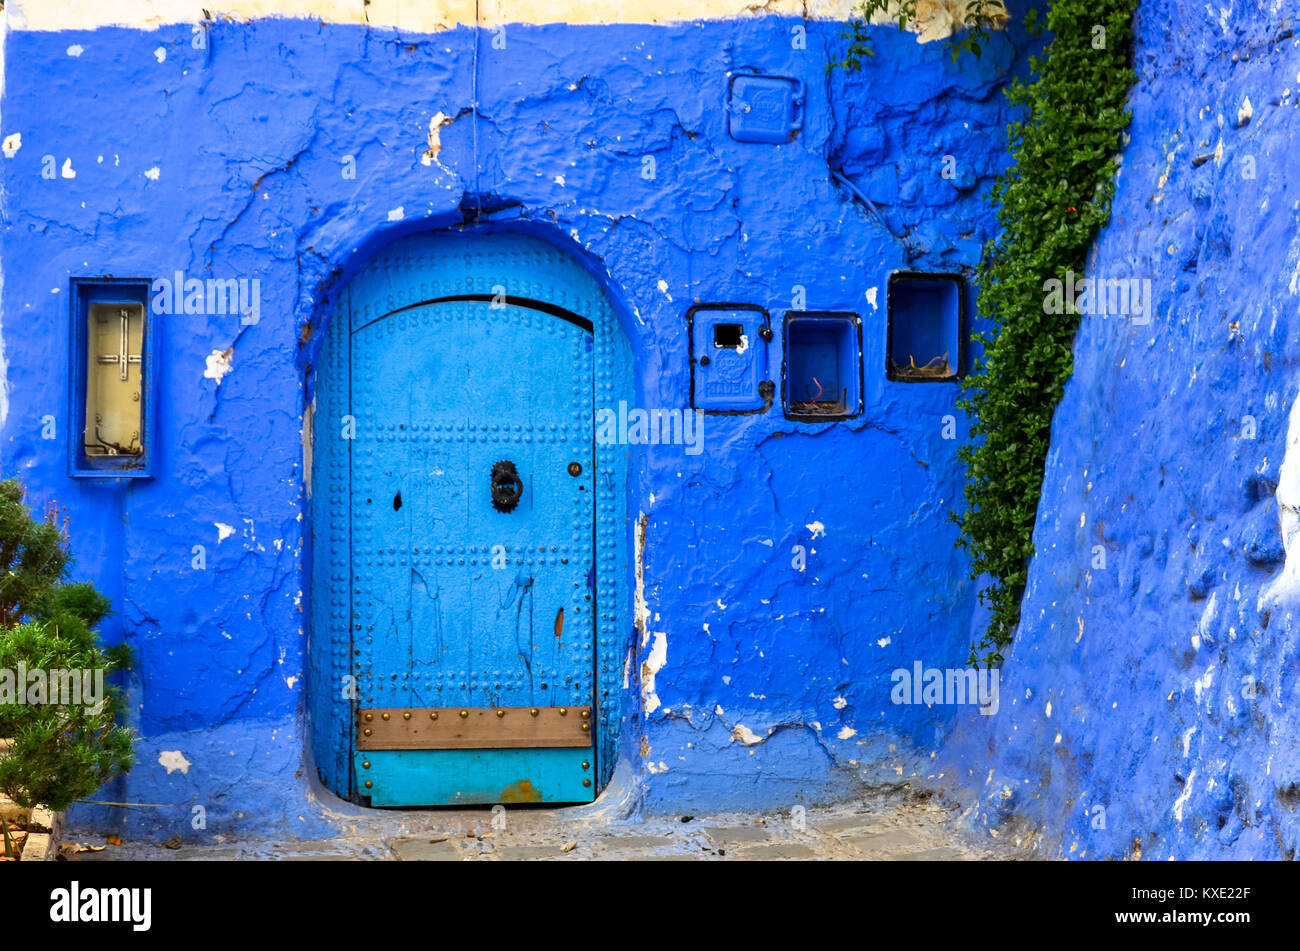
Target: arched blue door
[(466, 530)]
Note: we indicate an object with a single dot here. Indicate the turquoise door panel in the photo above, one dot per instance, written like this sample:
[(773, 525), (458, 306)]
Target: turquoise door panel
[(472, 526)]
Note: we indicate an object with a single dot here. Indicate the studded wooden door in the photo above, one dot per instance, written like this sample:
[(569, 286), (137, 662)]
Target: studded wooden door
[(449, 355), (472, 527)]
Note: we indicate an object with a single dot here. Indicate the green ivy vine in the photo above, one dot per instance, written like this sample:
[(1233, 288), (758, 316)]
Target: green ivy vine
[(1051, 201)]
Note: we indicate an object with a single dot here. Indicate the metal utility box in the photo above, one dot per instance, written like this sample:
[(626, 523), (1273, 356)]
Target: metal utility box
[(729, 358)]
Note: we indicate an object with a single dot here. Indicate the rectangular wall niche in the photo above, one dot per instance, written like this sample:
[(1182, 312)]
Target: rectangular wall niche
[(822, 378), (927, 327), (729, 369), (111, 379)]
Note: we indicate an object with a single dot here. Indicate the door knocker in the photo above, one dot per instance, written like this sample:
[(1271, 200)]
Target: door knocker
[(507, 487)]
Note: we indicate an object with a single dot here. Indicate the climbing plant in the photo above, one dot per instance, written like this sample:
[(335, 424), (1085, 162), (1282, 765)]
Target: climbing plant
[(1051, 201)]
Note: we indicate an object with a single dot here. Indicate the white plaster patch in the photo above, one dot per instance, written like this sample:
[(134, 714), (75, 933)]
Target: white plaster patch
[(68, 171), (1245, 112), (839, 703), (153, 173), (224, 531), (439, 120), (745, 735), (397, 214), (12, 144), (76, 50), (219, 363), (884, 642), (871, 298), (172, 760), (160, 54), (650, 667), (817, 529), (846, 733)]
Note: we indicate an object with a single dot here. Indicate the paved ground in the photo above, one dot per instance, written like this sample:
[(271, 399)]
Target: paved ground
[(905, 829)]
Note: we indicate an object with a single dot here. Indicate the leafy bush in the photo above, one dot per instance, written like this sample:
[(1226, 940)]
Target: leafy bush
[(60, 751)]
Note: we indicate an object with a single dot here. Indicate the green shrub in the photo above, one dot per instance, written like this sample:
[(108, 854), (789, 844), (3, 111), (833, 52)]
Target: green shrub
[(61, 751)]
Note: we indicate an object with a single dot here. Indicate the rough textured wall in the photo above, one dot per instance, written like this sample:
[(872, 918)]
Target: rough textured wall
[(224, 153), (1149, 702)]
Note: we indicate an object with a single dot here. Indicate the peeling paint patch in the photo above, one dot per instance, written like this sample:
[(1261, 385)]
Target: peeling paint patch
[(397, 214), (12, 144), (173, 760), (224, 531), (76, 50), (430, 155), (650, 667), (817, 529), (219, 363), (744, 734), (641, 613), (153, 174)]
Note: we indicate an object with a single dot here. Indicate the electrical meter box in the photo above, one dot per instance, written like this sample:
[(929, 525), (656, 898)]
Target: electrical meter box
[(729, 361), (111, 380), (764, 109)]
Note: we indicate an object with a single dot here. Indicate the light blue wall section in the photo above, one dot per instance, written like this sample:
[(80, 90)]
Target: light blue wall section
[(771, 680)]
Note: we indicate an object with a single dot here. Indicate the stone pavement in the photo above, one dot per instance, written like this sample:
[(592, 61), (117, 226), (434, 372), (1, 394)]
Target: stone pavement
[(915, 829)]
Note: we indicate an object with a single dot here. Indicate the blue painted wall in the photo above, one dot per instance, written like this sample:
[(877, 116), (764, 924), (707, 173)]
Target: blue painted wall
[(1162, 688), (770, 683)]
